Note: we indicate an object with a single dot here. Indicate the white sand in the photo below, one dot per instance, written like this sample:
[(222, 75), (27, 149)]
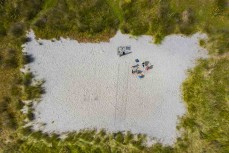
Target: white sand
[(89, 86)]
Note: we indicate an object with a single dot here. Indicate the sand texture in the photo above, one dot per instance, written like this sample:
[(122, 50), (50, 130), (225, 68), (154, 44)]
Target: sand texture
[(89, 86)]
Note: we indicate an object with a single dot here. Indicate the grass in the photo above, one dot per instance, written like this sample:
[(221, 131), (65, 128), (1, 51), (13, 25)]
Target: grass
[(116, 9), (205, 93), (205, 126)]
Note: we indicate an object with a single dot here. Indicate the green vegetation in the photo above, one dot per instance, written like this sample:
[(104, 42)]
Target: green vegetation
[(206, 91)]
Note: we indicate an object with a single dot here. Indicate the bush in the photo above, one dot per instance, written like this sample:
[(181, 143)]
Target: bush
[(16, 90), (202, 42), (187, 16), (27, 80), (11, 63), (34, 92), (2, 30), (1, 59), (19, 105), (37, 135), (17, 29), (96, 150), (26, 131), (159, 148), (128, 137), (65, 149), (4, 104), (9, 120), (97, 140), (28, 58), (26, 39), (11, 59), (119, 137), (31, 115), (158, 38), (40, 23)]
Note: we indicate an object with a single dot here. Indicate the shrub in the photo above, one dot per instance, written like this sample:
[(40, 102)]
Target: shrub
[(11, 59), (97, 140), (28, 58), (119, 137), (1, 59), (37, 135), (11, 63), (26, 39), (96, 150), (128, 137), (158, 38), (4, 104), (202, 42), (32, 91), (40, 23), (30, 115), (65, 149), (26, 131), (19, 105), (27, 80), (187, 16), (16, 91), (159, 148), (9, 120), (2, 30), (17, 29)]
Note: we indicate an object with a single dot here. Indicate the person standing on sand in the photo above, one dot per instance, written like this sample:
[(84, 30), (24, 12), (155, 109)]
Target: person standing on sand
[(143, 64)]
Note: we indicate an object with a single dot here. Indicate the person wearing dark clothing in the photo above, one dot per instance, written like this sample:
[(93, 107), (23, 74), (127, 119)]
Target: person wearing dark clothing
[(143, 64)]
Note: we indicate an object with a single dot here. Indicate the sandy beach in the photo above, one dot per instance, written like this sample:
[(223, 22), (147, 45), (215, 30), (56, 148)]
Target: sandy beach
[(89, 86)]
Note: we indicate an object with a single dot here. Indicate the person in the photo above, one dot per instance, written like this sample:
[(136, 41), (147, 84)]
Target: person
[(143, 64)]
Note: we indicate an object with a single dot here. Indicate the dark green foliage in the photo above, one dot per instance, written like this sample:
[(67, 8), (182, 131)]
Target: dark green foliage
[(9, 120), (220, 6), (30, 115), (34, 91), (119, 137), (4, 104), (16, 90), (202, 42), (2, 29), (17, 29), (37, 135), (81, 17), (97, 140), (208, 111), (19, 105), (65, 149), (1, 59), (96, 150), (28, 58), (11, 59), (40, 23), (25, 39), (158, 148), (27, 79), (128, 137)]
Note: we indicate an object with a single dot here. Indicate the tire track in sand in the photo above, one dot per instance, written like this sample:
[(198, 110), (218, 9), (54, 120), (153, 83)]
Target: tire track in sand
[(121, 95)]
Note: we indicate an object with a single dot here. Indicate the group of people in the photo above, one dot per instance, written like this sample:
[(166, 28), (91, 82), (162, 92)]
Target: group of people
[(137, 70)]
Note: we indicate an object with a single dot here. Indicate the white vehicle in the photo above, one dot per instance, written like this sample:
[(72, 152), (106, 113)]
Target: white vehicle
[(123, 50)]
